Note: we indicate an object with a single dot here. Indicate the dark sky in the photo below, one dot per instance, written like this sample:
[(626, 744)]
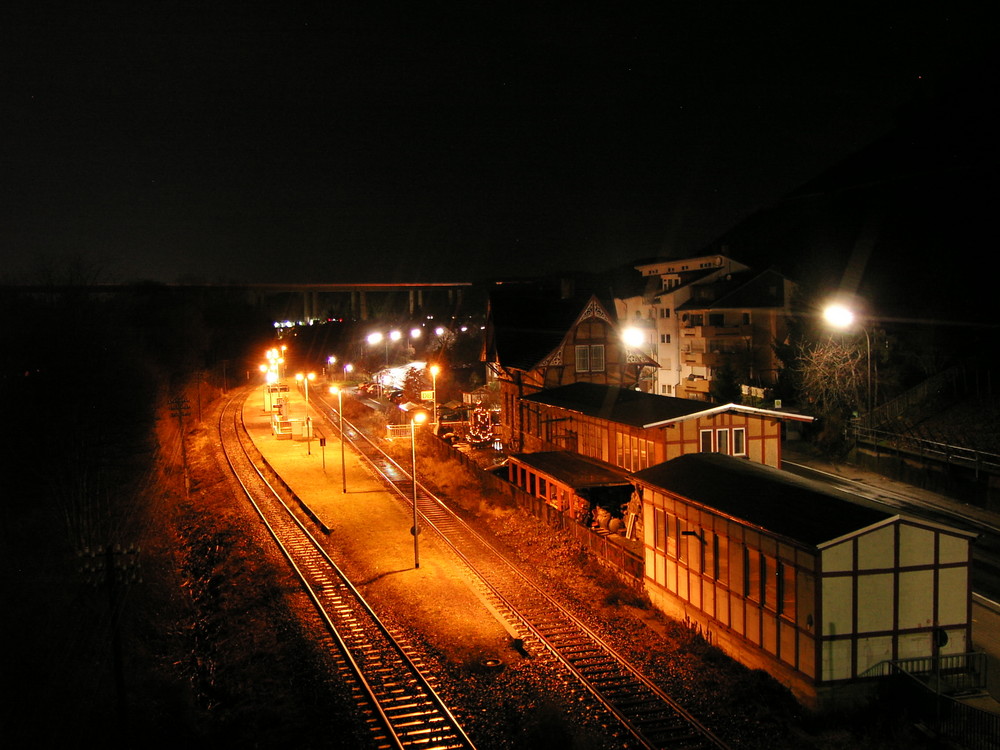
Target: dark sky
[(364, 141)]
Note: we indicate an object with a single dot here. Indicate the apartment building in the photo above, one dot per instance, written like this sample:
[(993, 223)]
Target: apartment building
[(697, 315)]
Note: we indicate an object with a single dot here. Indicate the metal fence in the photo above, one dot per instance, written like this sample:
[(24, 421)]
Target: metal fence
[(956, 455), (930, 688)]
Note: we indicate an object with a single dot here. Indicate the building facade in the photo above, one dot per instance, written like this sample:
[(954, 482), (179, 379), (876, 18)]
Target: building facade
[(697, 315), (633, 430), (535, 341), (790, 577)]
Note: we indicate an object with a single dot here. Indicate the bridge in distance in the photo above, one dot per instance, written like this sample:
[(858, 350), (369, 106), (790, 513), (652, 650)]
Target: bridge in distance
[(298, 302), (362, 301)]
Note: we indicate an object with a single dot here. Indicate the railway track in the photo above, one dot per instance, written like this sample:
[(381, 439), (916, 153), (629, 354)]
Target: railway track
[(545, 627), (390, 686)]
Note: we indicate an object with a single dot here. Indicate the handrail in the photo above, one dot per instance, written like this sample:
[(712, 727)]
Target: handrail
[(922, 446)]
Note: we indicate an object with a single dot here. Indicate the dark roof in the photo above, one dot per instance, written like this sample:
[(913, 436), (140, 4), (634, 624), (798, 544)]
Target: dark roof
[(573, 469), (765, 497), (526, 326), (766, 289), (617, 404)]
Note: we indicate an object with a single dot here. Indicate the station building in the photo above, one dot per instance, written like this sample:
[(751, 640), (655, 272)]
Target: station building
[(804, 582), (634, 430)]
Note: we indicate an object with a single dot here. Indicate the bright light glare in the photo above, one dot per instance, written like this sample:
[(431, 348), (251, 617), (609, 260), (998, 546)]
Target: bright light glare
[(395, 335), (633, 337), (419, 417), (838, 316)]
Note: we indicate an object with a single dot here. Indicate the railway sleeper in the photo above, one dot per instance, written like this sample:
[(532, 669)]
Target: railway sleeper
[(415, 716), (682, 741), (610, 680), (592, 661), (579, 645)]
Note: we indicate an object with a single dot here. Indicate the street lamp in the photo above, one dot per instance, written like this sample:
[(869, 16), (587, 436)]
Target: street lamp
[(434, 389), (842, 317), (263, 371), (377, 338), (418, 418), (348, 367), (304, 379), (340, 421), (634, 337)]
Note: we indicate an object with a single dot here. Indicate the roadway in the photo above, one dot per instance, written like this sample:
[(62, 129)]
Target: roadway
[(917, 502)]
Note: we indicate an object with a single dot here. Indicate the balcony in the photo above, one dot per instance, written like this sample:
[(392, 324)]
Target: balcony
[(694, 384), (713, 332), (703, 359)]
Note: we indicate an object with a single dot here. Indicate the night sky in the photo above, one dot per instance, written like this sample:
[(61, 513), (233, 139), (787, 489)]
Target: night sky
[(325, 142)]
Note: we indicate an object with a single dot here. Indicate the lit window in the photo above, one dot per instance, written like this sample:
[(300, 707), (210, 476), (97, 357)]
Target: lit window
[(739, 441), (722, 443), (659, 529), (752, 569), (590, 358), (706, 441), (722, 559), (597, 358)]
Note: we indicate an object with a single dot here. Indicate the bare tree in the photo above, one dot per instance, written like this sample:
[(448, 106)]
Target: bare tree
[(833, 376)]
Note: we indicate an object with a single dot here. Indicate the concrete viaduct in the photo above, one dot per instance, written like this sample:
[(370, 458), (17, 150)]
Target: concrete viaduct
[(356, 299)]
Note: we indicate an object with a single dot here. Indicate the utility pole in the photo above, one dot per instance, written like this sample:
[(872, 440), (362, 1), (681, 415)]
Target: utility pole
[(179, 409)]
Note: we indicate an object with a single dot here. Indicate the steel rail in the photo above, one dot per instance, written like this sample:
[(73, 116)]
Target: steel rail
[(409, 712), (644, 709)]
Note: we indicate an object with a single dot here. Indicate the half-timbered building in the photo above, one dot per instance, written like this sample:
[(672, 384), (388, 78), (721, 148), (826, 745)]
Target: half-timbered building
[(792, 577), (536, 341), (635, 430)]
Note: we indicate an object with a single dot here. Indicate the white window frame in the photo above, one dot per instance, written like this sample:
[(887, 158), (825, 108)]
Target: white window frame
[(722, 441), (740, 441), (597, 357), (590, 357), (702, 435)]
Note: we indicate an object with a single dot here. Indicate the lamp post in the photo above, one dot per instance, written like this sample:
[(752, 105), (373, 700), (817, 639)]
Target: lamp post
[(842, 317), (340, 422), (377, 338), (434, 389), (636, 338), (418, 418), (304, 379), (270, 378)]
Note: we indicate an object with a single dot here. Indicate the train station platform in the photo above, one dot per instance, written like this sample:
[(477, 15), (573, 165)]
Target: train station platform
[(367, 528)]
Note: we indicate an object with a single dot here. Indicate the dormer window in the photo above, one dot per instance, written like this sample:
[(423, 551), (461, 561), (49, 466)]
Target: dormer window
[(590, 358)]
